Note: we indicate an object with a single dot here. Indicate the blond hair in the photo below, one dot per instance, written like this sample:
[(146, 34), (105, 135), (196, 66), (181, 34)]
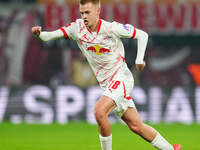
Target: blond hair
[(83, 2)]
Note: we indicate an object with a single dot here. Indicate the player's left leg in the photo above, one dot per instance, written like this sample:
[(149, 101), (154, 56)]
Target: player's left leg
[(134, 122)]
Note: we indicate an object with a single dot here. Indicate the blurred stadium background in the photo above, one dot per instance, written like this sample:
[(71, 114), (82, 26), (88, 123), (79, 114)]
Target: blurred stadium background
[(47, 83)]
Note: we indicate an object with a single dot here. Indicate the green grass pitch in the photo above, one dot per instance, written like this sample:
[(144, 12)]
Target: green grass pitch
[(82, 136)]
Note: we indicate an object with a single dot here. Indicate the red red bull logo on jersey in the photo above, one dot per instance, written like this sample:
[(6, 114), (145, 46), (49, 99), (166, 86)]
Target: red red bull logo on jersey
[(98, 49)]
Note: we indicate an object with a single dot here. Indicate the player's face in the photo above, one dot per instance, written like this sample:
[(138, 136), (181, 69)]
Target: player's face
[(90, 14)]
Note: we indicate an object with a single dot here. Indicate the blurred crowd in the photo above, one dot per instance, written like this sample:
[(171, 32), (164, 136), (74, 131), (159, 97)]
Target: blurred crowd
[(172, 59)]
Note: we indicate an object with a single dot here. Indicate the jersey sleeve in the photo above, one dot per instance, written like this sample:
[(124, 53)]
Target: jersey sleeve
[(70, 30), (123, 30)]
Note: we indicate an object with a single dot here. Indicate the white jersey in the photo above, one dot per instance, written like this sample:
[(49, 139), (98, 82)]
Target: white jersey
[(104, 49)]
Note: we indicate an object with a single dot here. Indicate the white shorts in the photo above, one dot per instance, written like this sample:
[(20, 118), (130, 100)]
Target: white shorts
[(119, 90)]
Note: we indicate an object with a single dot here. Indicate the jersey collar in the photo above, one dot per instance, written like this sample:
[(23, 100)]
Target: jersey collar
[(98, 28)]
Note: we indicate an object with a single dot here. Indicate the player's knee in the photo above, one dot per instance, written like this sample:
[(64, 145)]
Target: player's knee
[(136, 128), (99, 114)]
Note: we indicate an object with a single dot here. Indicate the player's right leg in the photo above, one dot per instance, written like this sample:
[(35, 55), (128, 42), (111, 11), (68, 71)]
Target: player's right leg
[(102, 109)]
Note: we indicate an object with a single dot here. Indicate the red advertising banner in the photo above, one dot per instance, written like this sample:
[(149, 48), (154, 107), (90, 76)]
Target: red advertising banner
[(156, 18)]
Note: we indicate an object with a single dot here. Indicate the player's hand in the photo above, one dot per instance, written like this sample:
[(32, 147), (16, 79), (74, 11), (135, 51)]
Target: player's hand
[(140, 67), (36, 30)]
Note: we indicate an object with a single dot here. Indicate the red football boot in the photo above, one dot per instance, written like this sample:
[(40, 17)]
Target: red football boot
[(177, 147)]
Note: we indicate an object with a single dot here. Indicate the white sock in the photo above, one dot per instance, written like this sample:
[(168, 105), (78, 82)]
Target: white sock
[(106, 142), (160, 143)]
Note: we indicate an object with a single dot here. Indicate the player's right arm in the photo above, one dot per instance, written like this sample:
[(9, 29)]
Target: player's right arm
[(46, 36)]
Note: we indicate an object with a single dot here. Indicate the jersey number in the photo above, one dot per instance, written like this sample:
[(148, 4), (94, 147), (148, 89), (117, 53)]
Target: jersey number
[(114, 85)]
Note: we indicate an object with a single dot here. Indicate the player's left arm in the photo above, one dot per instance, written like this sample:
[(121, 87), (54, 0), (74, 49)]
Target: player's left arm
[(129, 31), (142, 39)]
